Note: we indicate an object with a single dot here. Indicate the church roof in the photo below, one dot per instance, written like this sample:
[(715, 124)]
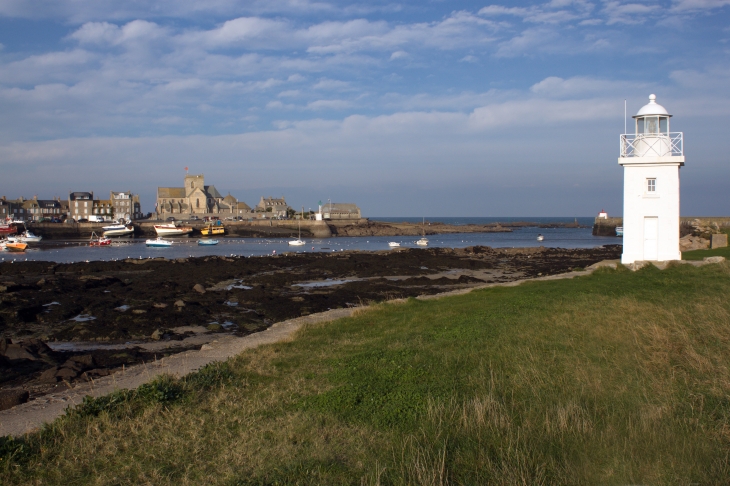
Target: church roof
[(213, 192), (171, 192)]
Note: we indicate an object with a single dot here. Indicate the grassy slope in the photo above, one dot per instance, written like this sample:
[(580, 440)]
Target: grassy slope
[(615, 378)]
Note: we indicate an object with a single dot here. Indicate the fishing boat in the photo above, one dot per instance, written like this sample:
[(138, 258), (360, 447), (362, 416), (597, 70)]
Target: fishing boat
[(99, 240), (206, 242), (423, 241), (393, 244), (619, 230), (298, 241), (118, 230), (540, 237), (8, 229), (172, 230), (14, 246), (213, 229), (158, 243)]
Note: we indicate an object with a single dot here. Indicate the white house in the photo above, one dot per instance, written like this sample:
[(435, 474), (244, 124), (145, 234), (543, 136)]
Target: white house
[(651, 158)]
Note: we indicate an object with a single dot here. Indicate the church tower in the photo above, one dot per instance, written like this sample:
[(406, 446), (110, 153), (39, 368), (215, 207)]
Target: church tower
[(651, 158)]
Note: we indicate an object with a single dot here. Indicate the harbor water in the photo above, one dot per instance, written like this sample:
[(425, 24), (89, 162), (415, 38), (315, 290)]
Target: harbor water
[(76, 251)]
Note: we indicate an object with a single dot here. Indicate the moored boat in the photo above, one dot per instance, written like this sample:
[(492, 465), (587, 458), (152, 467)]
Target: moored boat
[(393, 244), (619, 230), (207, 242), (8, 229), (213, 229), (99, 240), (159, 243), (298, 241), (26, 237), (14, 246), (423, 241), (540, 237), (118, 230), (172, 230)]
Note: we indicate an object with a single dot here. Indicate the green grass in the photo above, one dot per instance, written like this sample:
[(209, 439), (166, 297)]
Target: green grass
[(615, 378), (700, 254)]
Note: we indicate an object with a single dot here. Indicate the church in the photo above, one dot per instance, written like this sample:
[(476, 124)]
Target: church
[(196, 198)]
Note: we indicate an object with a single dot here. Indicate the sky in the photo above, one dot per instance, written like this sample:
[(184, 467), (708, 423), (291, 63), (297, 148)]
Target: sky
[(407, 108)]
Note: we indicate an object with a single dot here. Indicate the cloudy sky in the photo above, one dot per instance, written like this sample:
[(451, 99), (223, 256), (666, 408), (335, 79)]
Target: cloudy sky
[(408, 108)]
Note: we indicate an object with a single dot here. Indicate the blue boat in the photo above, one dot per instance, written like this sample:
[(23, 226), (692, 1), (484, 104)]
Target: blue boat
[(619, 230), (159, 243), (207, 242)]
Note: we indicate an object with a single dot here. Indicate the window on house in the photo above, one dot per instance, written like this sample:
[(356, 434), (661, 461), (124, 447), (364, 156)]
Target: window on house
[(651, 185)]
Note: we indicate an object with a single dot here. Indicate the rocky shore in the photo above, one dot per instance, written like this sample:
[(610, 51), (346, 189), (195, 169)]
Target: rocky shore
[(62, 323)]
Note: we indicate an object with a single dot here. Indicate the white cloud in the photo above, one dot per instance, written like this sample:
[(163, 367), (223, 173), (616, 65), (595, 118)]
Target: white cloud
[(331, 85), (628, 13), (398, 55), (328, 105), (469, 58), (698, 5)]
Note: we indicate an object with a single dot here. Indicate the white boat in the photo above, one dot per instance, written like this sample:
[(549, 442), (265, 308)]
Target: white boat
[(619, 230), (393, 244), (115, 225), (26, 237), (172, 230), (206, 242), (159, 243), (540, 237), (298, 241), (118, 230), (423, 241)]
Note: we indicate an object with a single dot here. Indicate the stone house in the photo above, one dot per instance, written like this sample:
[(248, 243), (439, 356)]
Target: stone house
[(103, 208), (125, 205), (80, 205), (277, 207), (341, 211)]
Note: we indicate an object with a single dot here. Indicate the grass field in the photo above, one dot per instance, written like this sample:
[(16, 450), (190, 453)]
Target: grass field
[(700, 254), (614, 378)]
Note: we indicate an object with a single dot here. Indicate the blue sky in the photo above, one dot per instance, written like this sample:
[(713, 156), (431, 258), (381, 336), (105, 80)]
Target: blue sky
[(441, 108)]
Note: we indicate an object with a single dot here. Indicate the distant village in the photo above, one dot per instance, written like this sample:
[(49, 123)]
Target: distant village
[(193, 198)]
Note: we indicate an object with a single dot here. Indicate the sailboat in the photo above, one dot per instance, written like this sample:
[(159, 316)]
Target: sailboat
[(423, 241), (298, 241)]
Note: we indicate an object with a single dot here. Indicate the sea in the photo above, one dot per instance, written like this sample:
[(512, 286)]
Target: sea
[(122, 248)]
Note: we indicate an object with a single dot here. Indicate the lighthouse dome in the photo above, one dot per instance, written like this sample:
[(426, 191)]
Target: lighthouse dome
[(652, 108)]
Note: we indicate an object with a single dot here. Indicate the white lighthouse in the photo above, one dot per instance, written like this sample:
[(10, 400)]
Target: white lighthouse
[(651, 158)]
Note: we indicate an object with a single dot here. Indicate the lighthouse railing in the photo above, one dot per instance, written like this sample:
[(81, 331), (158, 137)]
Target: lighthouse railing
[(652, 144)]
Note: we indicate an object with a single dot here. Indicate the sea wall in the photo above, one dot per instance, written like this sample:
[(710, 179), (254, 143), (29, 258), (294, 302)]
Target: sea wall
[(607, 227)]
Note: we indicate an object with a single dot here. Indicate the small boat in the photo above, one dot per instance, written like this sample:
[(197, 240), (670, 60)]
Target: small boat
[(14, 246), (172, 230), (207, 242), (213, 229), (540, 237), (423, 241), (28, 237), (393, 244), (99, 240), (159, 243), (299, 241), (619, 230), (118, 230)]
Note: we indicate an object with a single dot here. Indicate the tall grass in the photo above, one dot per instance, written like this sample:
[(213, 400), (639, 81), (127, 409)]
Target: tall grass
[(615, 378)]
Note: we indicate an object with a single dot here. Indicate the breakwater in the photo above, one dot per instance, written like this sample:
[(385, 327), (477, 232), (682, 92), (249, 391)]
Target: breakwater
[(607, 227)]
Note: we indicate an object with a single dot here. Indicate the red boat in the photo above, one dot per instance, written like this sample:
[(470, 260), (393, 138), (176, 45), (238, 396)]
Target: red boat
[(99, 241), (8, 229)]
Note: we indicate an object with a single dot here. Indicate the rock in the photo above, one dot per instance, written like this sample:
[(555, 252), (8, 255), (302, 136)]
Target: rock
[(199, 288), (714, 259), (138, 311), (3, 288), (214, 327), (718, 241), (4, 342), (85, 360), (179, 303), (162, 305), (66, 374), (41, 282), (206, 347), (16, 351), (690, 243), (157, 335), (49, 376), (72, 365), (11, 398)]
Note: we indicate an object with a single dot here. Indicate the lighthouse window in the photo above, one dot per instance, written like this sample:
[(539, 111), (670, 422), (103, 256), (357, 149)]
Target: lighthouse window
[(651, 185), (652, 125), (663, 125)]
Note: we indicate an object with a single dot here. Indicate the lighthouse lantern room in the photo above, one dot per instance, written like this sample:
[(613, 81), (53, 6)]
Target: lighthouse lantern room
[(651, 158)]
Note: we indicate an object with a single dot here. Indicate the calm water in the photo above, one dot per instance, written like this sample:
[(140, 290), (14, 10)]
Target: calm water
[(186, 247)]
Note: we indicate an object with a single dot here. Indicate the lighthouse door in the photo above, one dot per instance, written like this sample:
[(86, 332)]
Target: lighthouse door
[(651, 230)]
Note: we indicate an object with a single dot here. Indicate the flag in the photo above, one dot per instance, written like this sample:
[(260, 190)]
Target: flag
[(186, 169)]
